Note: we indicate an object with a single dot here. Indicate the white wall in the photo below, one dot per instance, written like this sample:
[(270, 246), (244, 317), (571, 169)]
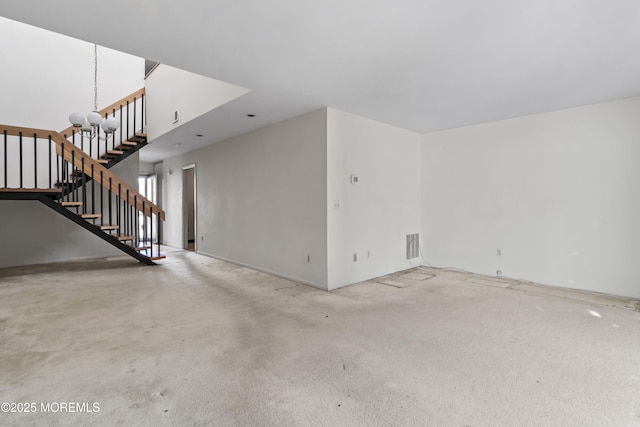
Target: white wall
[(170, 89), (373, 217), (556, 192), (261, 199), (46, 76)]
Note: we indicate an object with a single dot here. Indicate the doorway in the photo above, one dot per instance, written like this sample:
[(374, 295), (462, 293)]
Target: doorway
[(189, 207), (148, 227)]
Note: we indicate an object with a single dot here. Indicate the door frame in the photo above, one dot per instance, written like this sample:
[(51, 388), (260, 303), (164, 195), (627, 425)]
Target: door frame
[(185, 233)]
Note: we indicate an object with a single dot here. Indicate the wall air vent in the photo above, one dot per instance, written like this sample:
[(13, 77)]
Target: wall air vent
[(413, 246)]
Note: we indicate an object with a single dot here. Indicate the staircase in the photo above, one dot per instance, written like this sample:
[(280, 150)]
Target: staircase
[(69, 173)]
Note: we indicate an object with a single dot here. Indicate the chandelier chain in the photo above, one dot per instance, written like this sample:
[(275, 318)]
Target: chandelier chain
[(95, 77), (91, 124)]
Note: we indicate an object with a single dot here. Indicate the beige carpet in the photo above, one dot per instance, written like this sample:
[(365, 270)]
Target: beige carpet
[(197, 342)]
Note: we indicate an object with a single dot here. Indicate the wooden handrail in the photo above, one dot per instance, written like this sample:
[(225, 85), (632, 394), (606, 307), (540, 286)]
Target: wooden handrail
[(74, 154), (17, 130), (108, 110), (135, 198)]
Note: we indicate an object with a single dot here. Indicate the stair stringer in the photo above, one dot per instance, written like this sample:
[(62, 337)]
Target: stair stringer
[(48, 201)]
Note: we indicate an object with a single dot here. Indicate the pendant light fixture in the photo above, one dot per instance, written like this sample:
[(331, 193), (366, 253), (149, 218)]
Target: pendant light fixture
[(90, 124)]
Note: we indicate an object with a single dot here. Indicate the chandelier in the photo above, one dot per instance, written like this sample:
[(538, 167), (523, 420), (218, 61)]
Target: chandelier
[(90, 124)]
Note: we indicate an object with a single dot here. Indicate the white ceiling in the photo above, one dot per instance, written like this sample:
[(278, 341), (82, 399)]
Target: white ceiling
[(422, 65)]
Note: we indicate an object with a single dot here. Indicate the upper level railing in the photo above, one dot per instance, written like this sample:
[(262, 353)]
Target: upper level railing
[(130, 110)]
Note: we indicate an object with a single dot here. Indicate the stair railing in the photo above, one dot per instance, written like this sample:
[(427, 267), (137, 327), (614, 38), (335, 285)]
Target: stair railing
[(28, 160), (131, 112), (36, 161)]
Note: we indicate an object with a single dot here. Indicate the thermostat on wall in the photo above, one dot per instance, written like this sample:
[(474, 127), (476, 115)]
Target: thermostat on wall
[(355, 179)]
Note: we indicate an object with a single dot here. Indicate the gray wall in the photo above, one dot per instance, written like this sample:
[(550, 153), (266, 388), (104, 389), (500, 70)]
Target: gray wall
[(261, 199)]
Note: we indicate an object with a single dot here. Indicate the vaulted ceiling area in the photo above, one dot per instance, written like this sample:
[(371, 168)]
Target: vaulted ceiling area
[(419, 65)]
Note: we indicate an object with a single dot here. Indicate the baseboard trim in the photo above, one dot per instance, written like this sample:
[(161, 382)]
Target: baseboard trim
[(264, 270)]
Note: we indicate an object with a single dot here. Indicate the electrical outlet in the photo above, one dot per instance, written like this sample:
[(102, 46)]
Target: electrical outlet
[(308, 258), (355, 257), (498, 273), (499, 252)]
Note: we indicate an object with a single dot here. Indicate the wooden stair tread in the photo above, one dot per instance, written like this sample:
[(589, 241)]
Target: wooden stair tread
[(103, 161), (142, 248), (125, 238), (115, 152), (123, 147), (130, 143), (90, 216), (138, 137), (152, 254), (108, 227), (71, 204)]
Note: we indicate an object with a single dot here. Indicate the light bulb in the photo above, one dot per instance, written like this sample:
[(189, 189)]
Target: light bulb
[(76, 119), (110, 124), (94, 118), (86, 126)]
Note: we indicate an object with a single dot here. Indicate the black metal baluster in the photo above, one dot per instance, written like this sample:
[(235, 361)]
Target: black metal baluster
[(63, 165), (93, 189), (144, 116), (144, 224), (135, 233), (118, 213), (125, 218), (127, 225), (50, 157), (151, 228), (20, 134), (58, 165), (132, 217), (110, 215), (127, 119), (105, 136), (35, 161), (113, 134), (121, 123), (101, 198), (106, 147), (157, 231), (73, 181), (134, 117), (5, 159), (84, 190), (132, 220)]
